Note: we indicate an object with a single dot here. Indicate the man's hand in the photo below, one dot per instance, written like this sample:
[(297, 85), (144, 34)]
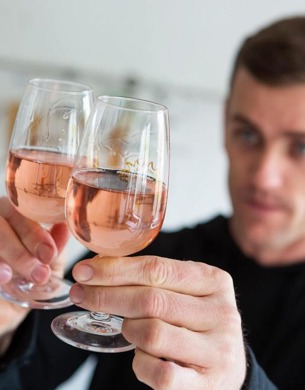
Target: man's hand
[(180, 315), (26, 249)]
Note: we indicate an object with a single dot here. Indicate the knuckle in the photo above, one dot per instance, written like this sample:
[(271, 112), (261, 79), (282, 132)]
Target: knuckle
[(154, 303), (19, 259), (153, 337), (161, 374), (231, 316), (226, 280), (227, 352), (230, 321), (223, 279), (166, 376), (156, 271), (31, 236), (232, 337)]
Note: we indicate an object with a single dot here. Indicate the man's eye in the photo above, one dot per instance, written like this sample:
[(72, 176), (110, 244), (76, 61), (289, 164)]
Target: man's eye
[(299, 148), (247, 136)]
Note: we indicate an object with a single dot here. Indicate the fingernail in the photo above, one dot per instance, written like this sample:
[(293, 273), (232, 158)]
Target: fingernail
[(83, 272), (44, 252), (40, 273), (77, 294), (5, 274)]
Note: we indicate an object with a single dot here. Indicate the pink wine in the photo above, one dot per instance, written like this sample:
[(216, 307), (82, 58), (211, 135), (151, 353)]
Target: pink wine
[(115, 213), (36, 182)]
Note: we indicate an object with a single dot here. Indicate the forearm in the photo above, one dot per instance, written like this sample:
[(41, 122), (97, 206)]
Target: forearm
[(17, 345), (5, 342), (16, 348)]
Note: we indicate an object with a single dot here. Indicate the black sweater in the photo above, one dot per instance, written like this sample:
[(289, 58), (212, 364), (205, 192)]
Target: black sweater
[(271, 301)]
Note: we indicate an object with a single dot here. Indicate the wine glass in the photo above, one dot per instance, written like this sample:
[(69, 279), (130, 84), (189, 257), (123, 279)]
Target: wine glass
[(48, 126), (116, 200)]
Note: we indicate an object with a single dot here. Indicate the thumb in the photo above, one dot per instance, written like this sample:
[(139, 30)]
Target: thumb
[(61, 234)]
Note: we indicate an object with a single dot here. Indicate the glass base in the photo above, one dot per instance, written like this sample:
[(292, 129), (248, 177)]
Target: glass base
[(97, 332), (52, 295)]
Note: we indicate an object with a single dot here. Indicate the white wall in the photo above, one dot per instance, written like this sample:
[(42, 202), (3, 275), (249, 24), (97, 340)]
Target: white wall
[(180, 51), (186, 42)]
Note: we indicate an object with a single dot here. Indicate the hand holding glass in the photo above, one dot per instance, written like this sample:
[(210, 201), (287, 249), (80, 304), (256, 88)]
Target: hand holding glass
[(116, 200), (49, 123)]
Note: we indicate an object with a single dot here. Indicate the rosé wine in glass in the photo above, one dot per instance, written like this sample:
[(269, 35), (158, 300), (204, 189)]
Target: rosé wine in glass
[(110, 214), (49, 124), (36, 183), (116, 200)]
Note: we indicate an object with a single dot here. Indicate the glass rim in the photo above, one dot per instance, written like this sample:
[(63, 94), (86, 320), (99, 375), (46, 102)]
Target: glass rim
[(45, 84), (111, 99)]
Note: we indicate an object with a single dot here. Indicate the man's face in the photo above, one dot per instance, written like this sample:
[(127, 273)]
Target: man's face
[(265, 142)]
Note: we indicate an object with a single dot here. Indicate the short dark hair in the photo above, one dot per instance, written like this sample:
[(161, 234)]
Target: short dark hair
[(275, 55)]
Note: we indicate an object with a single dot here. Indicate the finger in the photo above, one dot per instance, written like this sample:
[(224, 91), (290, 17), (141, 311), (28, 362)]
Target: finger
[(6, 273), (37, 240), (60, 234), (174, 343), (18, 258), (165, 375), (188, 277), (199, 314)]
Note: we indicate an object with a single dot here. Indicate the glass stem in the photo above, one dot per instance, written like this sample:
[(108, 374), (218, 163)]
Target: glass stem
[(98, 316)]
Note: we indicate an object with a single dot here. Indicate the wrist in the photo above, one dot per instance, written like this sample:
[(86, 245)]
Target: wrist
[(5, 342)]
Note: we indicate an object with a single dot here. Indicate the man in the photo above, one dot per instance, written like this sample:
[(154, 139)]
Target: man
[(233, 313)]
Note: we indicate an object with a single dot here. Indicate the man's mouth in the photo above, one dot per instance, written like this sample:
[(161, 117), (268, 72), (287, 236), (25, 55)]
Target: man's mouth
[(263, 206)]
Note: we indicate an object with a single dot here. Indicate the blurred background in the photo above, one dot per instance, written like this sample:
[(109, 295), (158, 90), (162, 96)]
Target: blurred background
[(176, 52)]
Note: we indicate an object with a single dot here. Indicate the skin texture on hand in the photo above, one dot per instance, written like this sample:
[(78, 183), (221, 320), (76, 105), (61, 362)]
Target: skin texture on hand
[(28, 249), (181, 315)]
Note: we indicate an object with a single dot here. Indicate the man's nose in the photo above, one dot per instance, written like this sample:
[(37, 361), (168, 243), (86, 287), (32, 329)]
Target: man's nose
[(268, 170)]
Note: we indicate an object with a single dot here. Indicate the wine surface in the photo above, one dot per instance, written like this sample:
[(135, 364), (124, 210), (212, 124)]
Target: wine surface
[(36, 183), (115, 213)]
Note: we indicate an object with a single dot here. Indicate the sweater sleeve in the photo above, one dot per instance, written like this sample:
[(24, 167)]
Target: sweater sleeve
[(256, 376)]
